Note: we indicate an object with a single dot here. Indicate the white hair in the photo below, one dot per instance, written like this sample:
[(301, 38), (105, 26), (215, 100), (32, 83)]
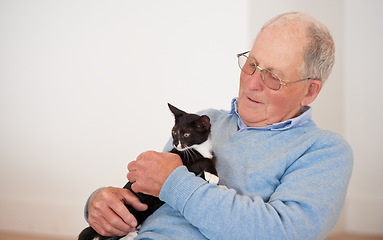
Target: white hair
[(319, 50)]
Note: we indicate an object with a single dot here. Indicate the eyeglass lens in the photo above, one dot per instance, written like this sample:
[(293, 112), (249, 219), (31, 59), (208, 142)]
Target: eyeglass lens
[(249, 67)]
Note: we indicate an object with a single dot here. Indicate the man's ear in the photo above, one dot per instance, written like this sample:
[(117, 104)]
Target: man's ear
[(313, 89)]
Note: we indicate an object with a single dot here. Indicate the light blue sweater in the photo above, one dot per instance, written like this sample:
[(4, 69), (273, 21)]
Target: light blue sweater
[(285, 181)]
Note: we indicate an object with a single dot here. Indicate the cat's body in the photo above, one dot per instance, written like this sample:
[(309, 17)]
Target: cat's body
[(191, 141)]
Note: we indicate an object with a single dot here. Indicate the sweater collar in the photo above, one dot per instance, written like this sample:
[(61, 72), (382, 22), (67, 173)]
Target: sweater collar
[(304, 117)]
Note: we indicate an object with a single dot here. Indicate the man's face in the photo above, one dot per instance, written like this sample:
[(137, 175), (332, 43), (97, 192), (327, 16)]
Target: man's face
[(282, 54)]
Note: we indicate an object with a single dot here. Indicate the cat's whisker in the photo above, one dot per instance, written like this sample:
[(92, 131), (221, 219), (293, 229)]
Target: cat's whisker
[(195, 153), (188, 155)]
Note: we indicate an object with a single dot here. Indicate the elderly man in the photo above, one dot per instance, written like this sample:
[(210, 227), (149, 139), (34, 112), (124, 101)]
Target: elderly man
[(281, 177)]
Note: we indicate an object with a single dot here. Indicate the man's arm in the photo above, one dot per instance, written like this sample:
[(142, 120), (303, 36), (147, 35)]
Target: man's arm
[(305, 205)]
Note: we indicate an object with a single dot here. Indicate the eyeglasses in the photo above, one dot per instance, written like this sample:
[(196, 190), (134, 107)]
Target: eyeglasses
[(271, 80)]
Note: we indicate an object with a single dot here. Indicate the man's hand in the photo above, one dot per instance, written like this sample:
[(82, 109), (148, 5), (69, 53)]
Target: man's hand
[(150, 171), (107, 213)]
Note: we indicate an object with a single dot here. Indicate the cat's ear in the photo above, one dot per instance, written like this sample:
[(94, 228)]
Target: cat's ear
[(176, 111), (203, 123)]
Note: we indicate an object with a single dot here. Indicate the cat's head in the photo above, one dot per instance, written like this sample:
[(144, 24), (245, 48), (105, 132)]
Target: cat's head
[(189, 129)]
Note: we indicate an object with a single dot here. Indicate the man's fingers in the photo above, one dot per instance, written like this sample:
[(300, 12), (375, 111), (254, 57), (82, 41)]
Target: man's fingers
[(106, 229), (108, 214), (126, 220), (109, 223), (134, 201)]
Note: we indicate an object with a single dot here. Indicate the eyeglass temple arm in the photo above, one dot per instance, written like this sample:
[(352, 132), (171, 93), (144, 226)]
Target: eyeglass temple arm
[(240, 54), (301, 80)]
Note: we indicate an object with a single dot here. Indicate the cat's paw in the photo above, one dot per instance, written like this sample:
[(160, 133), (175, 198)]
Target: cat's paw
[(130, 236), (211, 178)]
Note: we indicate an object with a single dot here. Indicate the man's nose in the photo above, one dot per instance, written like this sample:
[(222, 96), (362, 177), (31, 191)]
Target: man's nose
[(255, 81)]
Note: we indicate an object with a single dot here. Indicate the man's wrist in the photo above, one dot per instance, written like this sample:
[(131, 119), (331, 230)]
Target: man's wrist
[(179, 186), (86, 212)]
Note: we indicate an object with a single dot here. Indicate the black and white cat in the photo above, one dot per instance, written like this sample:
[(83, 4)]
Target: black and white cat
[(191, 141)]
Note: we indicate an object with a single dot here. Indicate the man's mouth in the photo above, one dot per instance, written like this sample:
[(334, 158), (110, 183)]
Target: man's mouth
[(254, 101)]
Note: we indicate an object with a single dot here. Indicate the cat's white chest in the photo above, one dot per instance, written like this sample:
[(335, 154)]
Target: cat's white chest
[(205, 149)]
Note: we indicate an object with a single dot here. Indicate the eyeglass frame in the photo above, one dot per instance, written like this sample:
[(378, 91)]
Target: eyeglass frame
[(281, 83)]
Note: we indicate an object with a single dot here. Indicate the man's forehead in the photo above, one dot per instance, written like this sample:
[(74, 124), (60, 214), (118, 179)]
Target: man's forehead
[(276, 49)]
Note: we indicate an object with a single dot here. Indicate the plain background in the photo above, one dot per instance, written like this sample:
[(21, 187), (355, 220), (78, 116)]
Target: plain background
[(84, 87)]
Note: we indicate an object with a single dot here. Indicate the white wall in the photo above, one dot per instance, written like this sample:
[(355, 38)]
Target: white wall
[(364, 113), (84, 87)]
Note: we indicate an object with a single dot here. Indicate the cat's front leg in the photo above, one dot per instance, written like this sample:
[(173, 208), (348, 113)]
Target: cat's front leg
[(205, 168), (131, 235), (211, 178)]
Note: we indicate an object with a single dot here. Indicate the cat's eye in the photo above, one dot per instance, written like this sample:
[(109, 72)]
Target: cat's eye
[(174, 133), (186, 134)]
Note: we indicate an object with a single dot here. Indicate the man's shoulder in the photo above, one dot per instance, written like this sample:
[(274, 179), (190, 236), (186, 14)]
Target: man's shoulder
[(324, 138)]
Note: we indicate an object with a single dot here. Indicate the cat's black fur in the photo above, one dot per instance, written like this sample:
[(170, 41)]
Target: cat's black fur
[(189, 133)]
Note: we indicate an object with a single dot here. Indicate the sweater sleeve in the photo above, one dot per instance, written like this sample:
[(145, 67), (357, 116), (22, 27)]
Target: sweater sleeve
[(305, 205)]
